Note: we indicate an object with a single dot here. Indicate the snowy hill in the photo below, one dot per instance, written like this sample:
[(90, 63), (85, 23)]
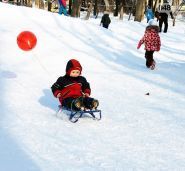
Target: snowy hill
[(137, 132)]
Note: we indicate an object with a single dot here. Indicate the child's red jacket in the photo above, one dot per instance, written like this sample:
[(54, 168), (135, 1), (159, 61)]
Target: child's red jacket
[(73, 87), (151, 39)]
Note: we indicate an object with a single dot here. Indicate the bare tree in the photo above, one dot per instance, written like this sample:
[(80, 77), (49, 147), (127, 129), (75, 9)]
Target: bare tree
[(140, 7), (156, 4), (117, 7), (70, 7), (175, 2), (177, 10), (121, 13), (106, 5), (89, 11), (49, 5), (29, 3), (122, 9), (95, 8), (39, 4), (151, 3), (76, 8)]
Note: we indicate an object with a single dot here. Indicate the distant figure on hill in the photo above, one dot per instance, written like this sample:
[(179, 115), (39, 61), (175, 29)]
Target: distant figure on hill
[(151, 41), (62, 8), (164, 10), (149, 13), (105, 21)]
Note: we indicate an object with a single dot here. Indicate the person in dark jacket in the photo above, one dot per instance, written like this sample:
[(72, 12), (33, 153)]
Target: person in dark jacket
[(105, 20), (73, 90), (164, 11)]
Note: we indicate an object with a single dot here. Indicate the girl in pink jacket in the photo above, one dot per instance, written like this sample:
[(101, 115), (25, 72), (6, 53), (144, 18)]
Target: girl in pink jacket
[(151, 41)]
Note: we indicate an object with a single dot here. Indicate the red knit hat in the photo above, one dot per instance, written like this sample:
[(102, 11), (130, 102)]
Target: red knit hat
[(73, 64)]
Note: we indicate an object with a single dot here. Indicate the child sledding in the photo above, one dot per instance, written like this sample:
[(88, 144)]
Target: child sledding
[(73, 91)]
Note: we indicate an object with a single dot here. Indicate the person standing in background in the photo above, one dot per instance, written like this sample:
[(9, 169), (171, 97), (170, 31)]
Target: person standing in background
[(149, 13), (62, 8), (164, 10), (105, 21)]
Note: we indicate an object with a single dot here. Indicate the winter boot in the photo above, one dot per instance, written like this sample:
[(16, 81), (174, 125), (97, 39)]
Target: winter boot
[(95, 104), (152, 67), (79, 103)]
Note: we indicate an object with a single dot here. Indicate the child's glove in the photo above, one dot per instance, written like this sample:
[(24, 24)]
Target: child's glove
[(59, 95), (87, 95), (139, 45)]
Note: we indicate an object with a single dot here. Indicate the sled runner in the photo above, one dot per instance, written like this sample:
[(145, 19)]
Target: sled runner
[(74, 115)]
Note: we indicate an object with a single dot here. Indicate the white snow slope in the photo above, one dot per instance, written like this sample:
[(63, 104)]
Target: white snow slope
[(137, 132)]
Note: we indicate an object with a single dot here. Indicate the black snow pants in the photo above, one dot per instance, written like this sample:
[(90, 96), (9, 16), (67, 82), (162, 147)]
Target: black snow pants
[(149, 58)]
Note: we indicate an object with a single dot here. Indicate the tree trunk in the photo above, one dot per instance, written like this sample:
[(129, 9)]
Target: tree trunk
[(151, 3), (156, 4), (121, 13), (41, 4), (95, 8), (49, 5), (76, 8), (70, 7), (29, 3), (37, 3), (123, 3), (140, 7), (175, 3), (117, 8), (106, 5), (89, 11)]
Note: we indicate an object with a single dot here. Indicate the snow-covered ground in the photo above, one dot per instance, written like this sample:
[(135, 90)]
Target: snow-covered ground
[(137, 132)]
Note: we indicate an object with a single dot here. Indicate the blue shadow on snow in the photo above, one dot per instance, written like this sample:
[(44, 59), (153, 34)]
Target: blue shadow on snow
[(48, 100)]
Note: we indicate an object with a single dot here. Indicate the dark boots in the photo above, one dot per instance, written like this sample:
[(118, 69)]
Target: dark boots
[(79, 103), (150, 63), (83, 103)]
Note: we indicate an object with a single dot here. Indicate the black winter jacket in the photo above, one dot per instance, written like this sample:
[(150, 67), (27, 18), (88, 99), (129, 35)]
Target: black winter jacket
[(105, 19), (70, 87)]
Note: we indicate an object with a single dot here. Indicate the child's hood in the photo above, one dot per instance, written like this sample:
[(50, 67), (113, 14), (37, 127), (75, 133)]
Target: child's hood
[(152, 28), (106, 15), (73, 64), (106, 12)]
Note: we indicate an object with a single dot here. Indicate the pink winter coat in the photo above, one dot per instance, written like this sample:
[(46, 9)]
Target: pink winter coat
[(151, 39)]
